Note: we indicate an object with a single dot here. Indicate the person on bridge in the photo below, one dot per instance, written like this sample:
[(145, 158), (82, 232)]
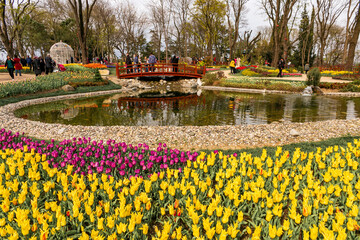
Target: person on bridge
[(136, 63), (152, 60), (175, 63), (128, 63)]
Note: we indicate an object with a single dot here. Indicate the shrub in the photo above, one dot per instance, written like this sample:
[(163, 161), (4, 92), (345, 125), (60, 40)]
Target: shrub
[(210, 78), (313, 77), (208, 61), (250, 73), (97, 77)]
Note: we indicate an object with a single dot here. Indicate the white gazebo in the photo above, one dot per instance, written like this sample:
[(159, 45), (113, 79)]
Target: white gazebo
[(61, 52)]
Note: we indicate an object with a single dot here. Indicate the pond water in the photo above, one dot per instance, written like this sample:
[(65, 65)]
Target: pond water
[(179, 109)]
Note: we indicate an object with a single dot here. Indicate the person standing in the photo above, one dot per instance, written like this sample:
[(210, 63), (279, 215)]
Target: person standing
[(9, 64), (146, 64), (136, 63), (29, 62), (23, 62), (281, 66), (128, 63), (307, 67), (42, 65), (37, 66), (152, 60), (238, 62), (232, 66), (49, 65), (17, 65)]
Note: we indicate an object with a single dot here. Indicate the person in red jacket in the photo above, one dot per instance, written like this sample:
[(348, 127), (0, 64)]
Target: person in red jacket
[(18, 66)]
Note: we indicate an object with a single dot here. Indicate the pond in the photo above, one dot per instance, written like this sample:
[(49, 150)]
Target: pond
[(180, 109)]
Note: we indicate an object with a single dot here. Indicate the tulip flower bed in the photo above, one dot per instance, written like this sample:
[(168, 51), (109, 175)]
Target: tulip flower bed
[(87, 156), (95, 65), (24, 69), (288, 195)]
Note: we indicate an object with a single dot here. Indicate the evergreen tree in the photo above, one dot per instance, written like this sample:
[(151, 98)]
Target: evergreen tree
[(304, 51)]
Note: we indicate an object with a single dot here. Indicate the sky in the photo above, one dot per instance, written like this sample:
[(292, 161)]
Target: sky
[(256, 18)]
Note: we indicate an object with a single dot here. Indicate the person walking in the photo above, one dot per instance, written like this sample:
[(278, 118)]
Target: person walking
[(128, 63), (146, 64), (37, 66), (152, 60), (136, 63), (49, 65), (17, 65), (9, 64), (23, 61), (42, 65), (232, 66), (29, 62), (307, 67), (281, 66)]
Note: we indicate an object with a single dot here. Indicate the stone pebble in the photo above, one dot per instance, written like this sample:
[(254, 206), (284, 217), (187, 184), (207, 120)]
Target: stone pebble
[(180, 137)]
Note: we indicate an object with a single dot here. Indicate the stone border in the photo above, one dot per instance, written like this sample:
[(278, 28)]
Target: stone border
[(182, 137)]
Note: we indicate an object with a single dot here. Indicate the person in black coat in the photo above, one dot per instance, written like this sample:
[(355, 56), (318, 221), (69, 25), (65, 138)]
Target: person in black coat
[(37, 66), (42, 64), (10, 66), (128, 63), (281, 66), (49, 65)]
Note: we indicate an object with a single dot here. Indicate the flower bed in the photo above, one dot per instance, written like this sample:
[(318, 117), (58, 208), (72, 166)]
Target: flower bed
[(298, 195), (335, 73), (95, 65), (44, 83), (24, 69)]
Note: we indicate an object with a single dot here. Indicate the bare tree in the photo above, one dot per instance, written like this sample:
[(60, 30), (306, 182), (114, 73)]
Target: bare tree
[(328, 11), (11, 24), (279, 13), (352, 41), (130, 28), (181, 13), (349, 27), (234, 14), (162, 9), (104, 19), (82, 15)]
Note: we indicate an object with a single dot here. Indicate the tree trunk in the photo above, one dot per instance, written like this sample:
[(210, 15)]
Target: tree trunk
[(352, 43)]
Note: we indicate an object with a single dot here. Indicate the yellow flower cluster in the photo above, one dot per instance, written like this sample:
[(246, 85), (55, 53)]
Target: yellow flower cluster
[(277, 71), (335, 73), (313, 195), (23, 68), (72, 64)]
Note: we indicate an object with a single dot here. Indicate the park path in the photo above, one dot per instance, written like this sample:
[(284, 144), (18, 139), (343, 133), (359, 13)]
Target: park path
[(302, 78), (5, 78)]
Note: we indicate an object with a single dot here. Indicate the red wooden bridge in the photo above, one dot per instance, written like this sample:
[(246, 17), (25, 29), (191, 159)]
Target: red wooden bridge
[(159, 70)]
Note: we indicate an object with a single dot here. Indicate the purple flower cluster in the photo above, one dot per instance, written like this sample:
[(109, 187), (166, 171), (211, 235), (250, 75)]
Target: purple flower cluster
[(87, 156)]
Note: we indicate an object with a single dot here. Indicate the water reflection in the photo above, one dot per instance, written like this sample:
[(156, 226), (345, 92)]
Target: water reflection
[(179, 109)]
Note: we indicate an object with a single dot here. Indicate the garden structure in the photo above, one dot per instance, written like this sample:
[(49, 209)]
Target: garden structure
[(160, 69), (61, 53)]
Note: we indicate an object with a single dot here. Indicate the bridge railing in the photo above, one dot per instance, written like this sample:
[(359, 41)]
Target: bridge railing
[(159, 69)]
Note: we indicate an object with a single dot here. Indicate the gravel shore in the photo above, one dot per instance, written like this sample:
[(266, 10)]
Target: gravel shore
[(185, 138)]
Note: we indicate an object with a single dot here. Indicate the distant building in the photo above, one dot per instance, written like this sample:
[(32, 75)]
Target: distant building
[(61, 53)]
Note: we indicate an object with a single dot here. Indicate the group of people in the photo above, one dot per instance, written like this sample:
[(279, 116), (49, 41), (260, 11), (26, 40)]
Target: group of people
[(235, 63), (134, 64), (38, 65)]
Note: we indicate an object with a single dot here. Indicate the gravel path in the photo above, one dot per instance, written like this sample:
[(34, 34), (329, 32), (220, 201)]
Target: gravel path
[(186, 138)]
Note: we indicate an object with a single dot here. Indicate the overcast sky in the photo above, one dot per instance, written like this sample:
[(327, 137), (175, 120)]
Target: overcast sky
[(255, 17)]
